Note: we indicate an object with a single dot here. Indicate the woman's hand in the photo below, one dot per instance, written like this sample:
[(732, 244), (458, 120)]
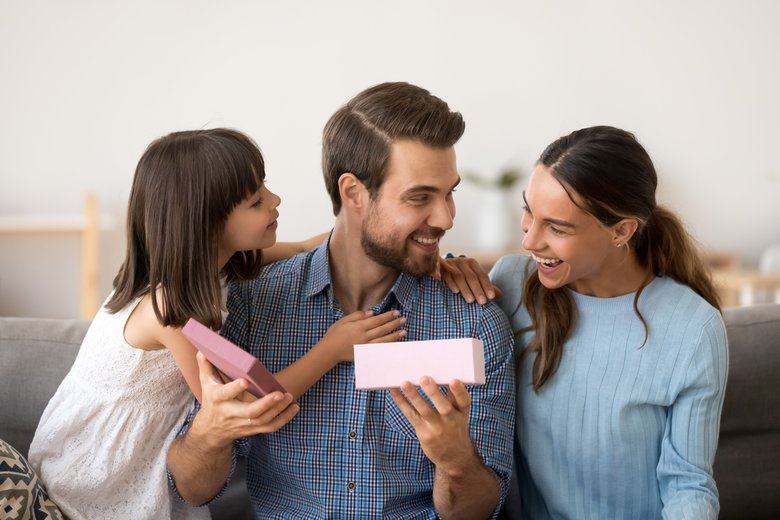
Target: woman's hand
[(465, 276)]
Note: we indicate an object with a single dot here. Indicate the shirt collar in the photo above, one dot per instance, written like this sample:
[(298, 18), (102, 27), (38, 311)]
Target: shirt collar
[(405, 290), (319, 277)]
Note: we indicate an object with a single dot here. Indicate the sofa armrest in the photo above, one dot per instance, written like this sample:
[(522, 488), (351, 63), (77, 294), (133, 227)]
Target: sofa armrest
[(35, 355)]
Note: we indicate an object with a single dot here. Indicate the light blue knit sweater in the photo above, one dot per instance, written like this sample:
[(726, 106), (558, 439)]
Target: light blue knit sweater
[(621, 430)]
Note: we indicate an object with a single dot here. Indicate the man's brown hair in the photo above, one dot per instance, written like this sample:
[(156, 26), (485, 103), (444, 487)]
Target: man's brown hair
[(357, 137)]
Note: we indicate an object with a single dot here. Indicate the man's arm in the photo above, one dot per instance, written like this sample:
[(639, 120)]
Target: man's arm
[(200, 460), (464, 487)]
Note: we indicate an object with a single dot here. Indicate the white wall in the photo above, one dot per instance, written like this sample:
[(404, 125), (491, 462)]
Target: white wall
[(86, 85)]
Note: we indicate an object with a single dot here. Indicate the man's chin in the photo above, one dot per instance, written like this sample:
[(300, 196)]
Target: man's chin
[(420, 268)]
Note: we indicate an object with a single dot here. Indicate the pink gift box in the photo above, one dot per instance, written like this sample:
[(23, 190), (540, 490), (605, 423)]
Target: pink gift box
[(386, 365), (230, 359)]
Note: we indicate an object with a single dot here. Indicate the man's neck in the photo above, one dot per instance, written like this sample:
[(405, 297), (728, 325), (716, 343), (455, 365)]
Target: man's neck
[(358, 282)]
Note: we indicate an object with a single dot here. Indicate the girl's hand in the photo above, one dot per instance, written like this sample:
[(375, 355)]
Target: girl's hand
[(361, 327), (466, 276)]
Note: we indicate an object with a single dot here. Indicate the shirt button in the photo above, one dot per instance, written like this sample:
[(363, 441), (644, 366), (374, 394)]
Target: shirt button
[(351, 486), (353, 435)]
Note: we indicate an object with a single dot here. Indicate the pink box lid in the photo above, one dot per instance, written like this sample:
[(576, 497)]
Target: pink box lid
[(230, 359)]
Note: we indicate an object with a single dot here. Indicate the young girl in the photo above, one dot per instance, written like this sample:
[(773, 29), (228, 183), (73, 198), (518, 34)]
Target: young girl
[(622, 349), (199, 213)]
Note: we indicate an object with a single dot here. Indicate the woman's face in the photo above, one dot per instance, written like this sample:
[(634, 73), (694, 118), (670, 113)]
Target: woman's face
[(570, 246), (251, 225)]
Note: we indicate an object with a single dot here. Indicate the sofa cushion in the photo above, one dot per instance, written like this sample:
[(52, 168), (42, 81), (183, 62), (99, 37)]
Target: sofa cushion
[(35, 354), (747, 464), (21, 493)]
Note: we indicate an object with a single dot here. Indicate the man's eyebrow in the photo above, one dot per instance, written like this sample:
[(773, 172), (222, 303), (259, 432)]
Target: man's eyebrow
[(424, 188), (557, 222)]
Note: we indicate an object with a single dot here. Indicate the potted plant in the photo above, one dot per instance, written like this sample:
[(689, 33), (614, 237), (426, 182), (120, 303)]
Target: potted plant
[(497, 225)]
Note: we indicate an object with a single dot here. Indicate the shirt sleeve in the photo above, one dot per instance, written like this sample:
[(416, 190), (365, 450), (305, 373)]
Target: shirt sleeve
[(492, 417), (690, 439), (240, 449)]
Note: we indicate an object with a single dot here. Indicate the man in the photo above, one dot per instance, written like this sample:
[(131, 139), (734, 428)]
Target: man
[(389, 167)]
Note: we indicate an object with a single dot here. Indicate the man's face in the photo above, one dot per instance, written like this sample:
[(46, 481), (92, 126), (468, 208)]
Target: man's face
[(413, 208)]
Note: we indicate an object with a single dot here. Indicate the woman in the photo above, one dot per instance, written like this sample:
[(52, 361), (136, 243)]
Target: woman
[(621, 349)]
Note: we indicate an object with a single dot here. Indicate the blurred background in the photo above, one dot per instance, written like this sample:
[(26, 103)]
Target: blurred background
[(86, 85)]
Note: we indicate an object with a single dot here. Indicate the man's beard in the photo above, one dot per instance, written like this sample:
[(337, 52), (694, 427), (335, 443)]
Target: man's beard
[(386, 253)]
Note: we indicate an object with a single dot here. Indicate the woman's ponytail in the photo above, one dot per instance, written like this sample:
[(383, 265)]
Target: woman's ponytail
[(666, 249)]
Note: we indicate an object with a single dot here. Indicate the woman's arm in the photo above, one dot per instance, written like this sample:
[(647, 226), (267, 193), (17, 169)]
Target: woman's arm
[(691, 435)]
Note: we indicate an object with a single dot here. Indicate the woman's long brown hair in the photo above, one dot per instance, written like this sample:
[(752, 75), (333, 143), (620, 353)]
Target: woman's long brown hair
[(610, 176)]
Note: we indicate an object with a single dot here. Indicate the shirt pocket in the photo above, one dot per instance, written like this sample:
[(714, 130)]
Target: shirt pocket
[(395, 418)]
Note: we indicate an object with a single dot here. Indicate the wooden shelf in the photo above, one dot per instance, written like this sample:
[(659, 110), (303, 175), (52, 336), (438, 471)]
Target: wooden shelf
[(742, 286), (86, 226)]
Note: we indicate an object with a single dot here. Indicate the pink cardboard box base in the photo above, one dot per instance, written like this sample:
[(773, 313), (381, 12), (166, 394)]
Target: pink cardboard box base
[(387, 365)]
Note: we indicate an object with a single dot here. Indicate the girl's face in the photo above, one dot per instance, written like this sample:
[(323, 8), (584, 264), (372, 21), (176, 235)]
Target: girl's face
[(570, 246), (251, 225)]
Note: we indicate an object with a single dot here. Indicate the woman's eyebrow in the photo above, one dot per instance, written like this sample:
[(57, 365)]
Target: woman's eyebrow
[(557, 222)]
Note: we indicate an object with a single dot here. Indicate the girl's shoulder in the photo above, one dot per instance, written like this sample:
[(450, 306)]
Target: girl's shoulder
[(142, 330)]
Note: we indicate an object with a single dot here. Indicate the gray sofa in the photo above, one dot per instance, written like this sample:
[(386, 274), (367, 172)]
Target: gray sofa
[(35, 354)]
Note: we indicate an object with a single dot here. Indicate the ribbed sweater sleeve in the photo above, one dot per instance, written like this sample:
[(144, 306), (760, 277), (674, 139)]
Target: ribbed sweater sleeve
[(691, 434)]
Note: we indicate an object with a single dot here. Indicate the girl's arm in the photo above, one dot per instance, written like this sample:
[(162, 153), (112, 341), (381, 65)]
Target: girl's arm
[(336, 346), (183, 353), (143, 331), (285, 250)]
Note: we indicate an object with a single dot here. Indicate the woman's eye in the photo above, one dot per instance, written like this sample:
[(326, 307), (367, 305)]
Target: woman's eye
[(557, 231)]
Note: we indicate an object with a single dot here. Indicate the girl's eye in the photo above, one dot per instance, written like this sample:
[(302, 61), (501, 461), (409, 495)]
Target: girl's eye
[(257, 203)]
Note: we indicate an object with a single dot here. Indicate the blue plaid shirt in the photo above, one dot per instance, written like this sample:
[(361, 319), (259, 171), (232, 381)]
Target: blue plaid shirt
[(352, 453)]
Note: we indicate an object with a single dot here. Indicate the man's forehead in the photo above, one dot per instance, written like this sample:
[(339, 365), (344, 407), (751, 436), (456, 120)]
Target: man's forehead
[(415, 166)]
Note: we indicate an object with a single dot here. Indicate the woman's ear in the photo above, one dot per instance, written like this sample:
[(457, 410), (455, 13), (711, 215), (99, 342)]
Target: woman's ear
[(624, 230), (352, 192)]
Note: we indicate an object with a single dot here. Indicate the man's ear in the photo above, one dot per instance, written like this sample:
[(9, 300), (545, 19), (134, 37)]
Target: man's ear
[(624, 230), (352, 192)]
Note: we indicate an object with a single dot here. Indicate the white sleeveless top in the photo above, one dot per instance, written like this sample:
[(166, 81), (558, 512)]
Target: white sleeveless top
[(101, 444)]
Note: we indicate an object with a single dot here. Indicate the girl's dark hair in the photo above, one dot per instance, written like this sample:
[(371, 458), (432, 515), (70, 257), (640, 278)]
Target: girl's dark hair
[(608, 174), (185, 186), (358, 136)]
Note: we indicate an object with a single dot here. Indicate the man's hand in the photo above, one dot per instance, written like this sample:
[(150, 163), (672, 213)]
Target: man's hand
[(228, 412), (464, 487), (200, 460), (443, 429)]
